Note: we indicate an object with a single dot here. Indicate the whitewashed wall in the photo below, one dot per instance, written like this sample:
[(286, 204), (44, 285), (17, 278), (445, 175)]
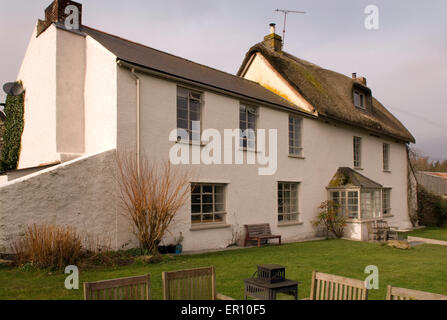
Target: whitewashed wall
[(80, 194), (38, 73), (252, 198)]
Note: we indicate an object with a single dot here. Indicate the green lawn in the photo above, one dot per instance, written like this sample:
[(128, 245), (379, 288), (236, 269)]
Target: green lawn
[(420, 268), (431, 233)]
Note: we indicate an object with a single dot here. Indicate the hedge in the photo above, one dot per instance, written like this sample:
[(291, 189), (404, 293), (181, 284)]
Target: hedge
[(14, 123)]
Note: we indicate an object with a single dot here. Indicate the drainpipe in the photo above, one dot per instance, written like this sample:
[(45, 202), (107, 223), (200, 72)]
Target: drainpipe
[(137, 79)]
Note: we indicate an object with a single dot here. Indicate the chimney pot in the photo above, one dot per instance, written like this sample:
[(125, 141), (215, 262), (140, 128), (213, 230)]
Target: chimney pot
[(272, 28), (354, 75)]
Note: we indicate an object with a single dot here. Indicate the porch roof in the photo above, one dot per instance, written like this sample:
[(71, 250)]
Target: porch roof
[(347, 177)]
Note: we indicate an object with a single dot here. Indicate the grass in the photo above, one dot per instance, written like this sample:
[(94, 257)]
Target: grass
[(431, 233), (420, 268)]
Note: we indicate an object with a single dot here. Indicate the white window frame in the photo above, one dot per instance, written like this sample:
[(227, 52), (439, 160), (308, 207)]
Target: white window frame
[(359, 99), (246, 133), (214, 212), (294, 215), (192, 96), (388, 208), (295, 147), (357, 148)]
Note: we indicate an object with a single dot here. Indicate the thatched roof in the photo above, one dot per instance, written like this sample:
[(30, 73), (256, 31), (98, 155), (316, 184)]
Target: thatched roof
[(331, 93), (347, 177)]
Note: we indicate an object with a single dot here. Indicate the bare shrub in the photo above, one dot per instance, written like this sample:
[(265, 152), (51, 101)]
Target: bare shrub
[(151, 196), (330, 219), (48, 246)]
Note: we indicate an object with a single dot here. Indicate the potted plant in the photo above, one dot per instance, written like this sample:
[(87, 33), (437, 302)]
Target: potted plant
[(179, 245)]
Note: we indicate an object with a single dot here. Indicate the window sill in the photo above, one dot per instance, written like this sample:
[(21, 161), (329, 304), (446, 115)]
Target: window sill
[(296, 157), (290, 224), (192, 143), (249, 150), (209, 226), (359, 169), (385, 216), (364, 220), (387, 171)]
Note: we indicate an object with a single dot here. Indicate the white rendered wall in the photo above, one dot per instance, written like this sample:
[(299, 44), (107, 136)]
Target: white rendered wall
[(252, 198), (100, 97), (70, 73), (38, 73)]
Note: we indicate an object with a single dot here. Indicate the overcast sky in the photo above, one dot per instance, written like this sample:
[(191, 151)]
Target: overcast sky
[(405, 61)]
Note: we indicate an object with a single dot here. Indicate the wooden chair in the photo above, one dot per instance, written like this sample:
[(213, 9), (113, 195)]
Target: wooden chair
[(331, 287), (260, 233), (407, 294), (194, 284), (133, 288)]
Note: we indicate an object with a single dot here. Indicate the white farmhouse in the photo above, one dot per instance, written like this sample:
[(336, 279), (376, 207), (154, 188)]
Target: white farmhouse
[(90, 94)]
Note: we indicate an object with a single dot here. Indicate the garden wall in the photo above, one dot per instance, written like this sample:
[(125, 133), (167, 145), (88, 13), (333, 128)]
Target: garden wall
[(80, 193)]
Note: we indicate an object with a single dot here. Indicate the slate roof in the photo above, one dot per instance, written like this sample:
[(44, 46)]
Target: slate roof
[(169, 64), (331, 93)]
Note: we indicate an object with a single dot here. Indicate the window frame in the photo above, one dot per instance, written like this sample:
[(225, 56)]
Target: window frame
[(295, 150), (361, 99), (214, 212), (243, 137), (387, 208), (291, 212), (357, 149), (191, 134), (344, 202), (386, 157)]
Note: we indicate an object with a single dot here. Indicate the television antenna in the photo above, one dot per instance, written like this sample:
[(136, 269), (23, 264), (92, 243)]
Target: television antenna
[(286, 12)]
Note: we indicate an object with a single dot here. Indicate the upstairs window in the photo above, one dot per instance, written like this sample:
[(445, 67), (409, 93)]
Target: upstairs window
[(386, 157), (188, 112), (359, 99), (295, 138), (357, 152), (247, 125)]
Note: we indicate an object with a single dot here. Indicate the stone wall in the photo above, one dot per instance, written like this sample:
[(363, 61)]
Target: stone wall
[(79, 193)]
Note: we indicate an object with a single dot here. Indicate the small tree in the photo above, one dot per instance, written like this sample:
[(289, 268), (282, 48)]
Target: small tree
[(151, 196), (330, 219)]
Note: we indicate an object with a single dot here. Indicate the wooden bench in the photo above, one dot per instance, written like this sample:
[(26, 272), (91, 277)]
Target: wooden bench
[(407, 294), (193, 284), (133, 288), (331, 287), (259, 233)]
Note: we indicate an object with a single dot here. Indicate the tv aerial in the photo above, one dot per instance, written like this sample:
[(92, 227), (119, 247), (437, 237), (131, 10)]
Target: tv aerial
[(286, 12)]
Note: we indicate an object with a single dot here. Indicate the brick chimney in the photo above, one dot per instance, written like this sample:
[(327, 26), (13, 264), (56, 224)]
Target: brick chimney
[(58, 12), (273, 41), (362, 80)]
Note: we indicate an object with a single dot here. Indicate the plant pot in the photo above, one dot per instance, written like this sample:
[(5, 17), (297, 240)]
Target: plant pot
[(178, 249)]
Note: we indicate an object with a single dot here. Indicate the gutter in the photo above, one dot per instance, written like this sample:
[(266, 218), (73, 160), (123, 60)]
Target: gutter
[(159, 74), (137, 80)]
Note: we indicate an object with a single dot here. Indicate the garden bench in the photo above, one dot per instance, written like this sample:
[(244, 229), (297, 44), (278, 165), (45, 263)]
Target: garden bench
[(331, 287), (259, 233), (133, 288), (380, 230), (407, 294), (193, 284)]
